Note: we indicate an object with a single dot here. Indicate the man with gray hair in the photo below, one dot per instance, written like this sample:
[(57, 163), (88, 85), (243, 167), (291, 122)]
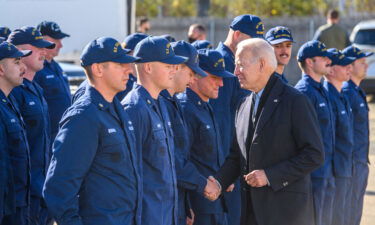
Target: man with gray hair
[(277, 143)]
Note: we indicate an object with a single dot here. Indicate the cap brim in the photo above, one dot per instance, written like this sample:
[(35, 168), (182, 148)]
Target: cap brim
[(223, 74), (281, 40), (126, 59), (197, 70), (348, 60), (60, 35), (367, 54), (44, 44), (20, 54), (174, 60)]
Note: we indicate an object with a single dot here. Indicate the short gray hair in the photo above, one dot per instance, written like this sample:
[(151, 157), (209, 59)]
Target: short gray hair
[(259, 48)]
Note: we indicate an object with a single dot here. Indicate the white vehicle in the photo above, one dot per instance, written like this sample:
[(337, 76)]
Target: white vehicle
[(363, 37)]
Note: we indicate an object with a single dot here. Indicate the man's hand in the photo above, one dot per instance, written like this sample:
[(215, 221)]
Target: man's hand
[(230, 188), (257, 178), (212, 189), (190, 221)]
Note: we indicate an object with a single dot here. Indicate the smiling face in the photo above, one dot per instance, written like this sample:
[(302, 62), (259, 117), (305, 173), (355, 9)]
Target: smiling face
[(283, 52), (208, 87)]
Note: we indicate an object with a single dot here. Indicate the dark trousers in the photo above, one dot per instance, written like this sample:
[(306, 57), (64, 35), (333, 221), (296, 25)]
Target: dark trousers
[(247, 211), (210, 219), (358, 190), (342, 201), (233, 200), (38, 213), (21, 217), (323, 197)]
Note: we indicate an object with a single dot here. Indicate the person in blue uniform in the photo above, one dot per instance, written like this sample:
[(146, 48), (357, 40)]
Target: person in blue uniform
[(129, 45), (34, 110), (313, 59), (14, 150), (202, 44), (242, 27), (4, 32), (2, 40), (94, 176), (188, 175), (205, 144), (281, 40), (360, 111), (52, 78), (343, 122), (152, 127)]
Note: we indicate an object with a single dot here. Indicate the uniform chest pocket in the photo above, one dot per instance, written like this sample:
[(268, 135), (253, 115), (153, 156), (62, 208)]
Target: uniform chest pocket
[(322, 113), (113, 146), (15, 133), (31, 106), (207, 136), (52, 84)]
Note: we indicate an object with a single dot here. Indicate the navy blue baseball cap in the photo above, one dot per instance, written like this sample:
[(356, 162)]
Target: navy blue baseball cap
[(4, 32), (185, 49), (51, 29), (29, 35), (169, 37), (132, 40), (353, 51), (202, 44), (279, 34), (105, 49), (248, 24), (339, 58), (212, 62), (7, 50), (157, 49), (2, 39), (312, 49)]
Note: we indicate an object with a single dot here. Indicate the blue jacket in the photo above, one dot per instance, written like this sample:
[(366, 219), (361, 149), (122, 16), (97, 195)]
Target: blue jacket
[(94, 177), (8, 121), (56, 92), (34, 110), (360, 110), (121, 95), (320, 100), (205, 147), (154, 142), (188, 176), (17, 149), (343, 121)]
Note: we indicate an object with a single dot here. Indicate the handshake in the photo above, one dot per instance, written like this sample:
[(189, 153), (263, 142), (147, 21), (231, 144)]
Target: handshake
[(213, 189)]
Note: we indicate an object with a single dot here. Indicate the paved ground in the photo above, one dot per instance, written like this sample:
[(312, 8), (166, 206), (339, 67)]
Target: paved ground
[(369, 208)]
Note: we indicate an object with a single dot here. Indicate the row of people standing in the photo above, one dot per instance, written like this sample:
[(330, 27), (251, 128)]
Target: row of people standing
[(34, 97), (154, 149)]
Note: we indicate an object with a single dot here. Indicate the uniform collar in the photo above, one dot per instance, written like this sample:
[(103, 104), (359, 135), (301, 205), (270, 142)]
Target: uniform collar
[(96, 98), (225, 48), (331, 89), (194, 98), (143, 93), (311, 81), (166, 95), (3, 98)]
